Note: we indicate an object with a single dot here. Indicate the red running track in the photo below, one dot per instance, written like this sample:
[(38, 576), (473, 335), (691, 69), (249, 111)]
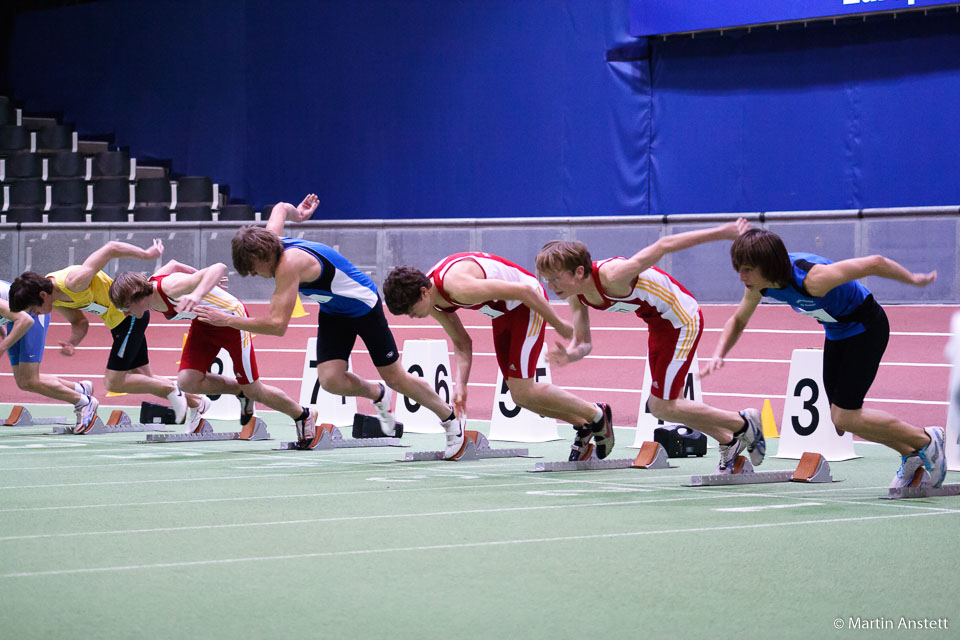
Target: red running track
[(912, 382)]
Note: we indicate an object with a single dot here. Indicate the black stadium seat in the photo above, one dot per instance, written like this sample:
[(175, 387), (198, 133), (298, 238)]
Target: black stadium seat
[(13, 138), (109, 214), (194, 213), (66, 164), (31, 193), (111, 191), (58, 137), (111, 164), (195, 190), (151, 213), (25, 214), (69, 192), (66, 214), (237, 212), (153, 191), (22, 164)]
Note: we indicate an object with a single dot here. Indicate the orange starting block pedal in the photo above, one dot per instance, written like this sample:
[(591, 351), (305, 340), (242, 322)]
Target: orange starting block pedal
[(652, 455), (329, 437), (812, 467), (475, 447), (20, 417), (255, 429)]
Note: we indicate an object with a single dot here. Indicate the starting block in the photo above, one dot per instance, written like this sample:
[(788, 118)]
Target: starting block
[(118, 422), (812, 467), (916, 490), (256, 429), (652, 456), (20, 417), (475, 447), (329, 437)]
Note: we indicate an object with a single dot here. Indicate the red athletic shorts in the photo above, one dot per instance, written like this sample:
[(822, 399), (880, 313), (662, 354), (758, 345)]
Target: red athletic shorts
[(517, 340), (670, 351), (204, 342)]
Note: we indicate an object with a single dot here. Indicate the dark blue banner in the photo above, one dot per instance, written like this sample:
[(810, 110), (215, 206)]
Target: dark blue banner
[(657, 17)]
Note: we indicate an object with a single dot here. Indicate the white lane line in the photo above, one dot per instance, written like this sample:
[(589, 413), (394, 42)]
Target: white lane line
[(462, 545), (428, 514), (769, 506)]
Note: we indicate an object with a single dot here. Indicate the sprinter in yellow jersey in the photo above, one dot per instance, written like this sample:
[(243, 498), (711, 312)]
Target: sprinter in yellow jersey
[(86, 287)]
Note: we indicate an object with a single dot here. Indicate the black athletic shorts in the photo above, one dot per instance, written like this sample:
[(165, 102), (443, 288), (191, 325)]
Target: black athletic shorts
[(129, 349), (850, 365), (336, 336)]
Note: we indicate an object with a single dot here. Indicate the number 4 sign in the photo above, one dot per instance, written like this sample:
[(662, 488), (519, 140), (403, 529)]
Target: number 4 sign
[(806, 424)]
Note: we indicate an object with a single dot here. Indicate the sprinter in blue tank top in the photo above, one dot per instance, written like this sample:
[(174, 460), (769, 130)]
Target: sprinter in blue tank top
[(350, 306), (856, 330)]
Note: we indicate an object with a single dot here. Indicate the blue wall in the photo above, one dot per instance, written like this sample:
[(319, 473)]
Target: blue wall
[(483, 108), (384, 109)]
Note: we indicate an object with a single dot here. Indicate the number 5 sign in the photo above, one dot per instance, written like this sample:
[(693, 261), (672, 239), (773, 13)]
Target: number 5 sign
[(513, 423), (806, 424)]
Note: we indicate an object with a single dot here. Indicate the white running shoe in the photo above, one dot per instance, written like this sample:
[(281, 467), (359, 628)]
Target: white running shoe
[(307, 429), (196, 414), (728, 455), (752, 438), (179, 403), (908, 468), (455, 437), (87, 387), (932, 456), (86, 415), (388, 424)]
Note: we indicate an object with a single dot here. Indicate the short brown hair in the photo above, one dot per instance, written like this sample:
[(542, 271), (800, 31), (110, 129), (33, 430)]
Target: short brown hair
[(763, 250), (563, 255), (401, 289), (25, 291), (253, 244), (129, 287)]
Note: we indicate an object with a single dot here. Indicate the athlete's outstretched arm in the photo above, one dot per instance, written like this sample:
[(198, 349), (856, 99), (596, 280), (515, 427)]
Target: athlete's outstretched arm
[(581, 345), (284, 211), (189, 288), (281, 307), (732, 329), (21, 323), (471, 290), (462, 355), (80, 279), (824, 277), (627, 270)]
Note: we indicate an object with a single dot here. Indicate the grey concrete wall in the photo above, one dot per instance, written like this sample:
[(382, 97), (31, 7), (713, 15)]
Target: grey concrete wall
[(921, 239)]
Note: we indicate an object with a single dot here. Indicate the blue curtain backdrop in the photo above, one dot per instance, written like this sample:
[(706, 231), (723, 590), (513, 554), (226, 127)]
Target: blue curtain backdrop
[(418, 108), (385, 109)]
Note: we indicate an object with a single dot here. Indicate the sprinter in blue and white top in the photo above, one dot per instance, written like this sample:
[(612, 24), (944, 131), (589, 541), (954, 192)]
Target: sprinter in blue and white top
[(350, 306), (857, 332), (341, 289)]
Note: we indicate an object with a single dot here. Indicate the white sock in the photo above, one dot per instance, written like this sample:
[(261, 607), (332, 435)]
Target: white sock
[(83, 401), (598, 415)]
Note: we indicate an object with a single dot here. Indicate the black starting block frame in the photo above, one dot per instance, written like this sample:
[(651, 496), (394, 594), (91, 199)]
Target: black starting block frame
[(118, 422), (812, 468), (256, 429), (652, 455), (20, 417), (329, 437), (475, 447)]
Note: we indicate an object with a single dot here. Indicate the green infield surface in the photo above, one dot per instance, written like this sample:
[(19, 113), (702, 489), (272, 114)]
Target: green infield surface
[(106, 537)]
